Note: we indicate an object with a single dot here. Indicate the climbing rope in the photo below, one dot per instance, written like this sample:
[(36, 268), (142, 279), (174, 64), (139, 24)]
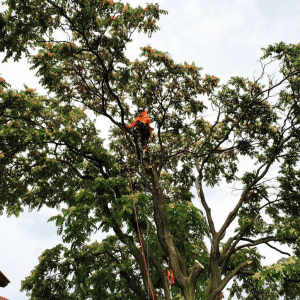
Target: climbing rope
[(147, 240), (140, 238)]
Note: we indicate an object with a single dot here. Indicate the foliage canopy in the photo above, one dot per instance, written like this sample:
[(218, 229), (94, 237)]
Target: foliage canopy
[(53, 155)]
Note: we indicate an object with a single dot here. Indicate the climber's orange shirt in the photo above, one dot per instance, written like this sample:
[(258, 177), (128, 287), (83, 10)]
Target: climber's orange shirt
[(143, 117)]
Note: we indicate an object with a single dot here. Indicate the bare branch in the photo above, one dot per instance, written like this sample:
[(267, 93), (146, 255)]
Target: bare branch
[(256, 242), (280, 251), (230, 276)]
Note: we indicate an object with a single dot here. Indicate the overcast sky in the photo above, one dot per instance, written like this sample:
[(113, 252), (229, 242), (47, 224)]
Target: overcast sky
[(224, 37)]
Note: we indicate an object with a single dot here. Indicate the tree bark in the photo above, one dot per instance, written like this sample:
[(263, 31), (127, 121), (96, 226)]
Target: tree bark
[(189, 292)]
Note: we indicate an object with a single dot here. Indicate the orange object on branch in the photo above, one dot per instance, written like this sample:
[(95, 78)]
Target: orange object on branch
[(171, 278)]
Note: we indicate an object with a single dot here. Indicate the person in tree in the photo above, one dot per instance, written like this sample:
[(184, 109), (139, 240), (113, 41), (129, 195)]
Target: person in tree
[(141, 126)]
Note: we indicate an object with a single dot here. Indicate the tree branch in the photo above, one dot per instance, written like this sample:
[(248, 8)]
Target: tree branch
[(229, 276), (280, 251), (256, 242)]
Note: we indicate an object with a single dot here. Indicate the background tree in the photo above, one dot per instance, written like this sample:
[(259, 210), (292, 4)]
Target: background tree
[(52, 154)]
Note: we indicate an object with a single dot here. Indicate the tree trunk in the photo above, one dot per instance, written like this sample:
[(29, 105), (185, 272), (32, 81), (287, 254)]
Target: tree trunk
[(189, 292), (215, 280)]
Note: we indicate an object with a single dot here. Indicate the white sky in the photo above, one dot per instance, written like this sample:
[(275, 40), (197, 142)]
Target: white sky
[(224, 37)]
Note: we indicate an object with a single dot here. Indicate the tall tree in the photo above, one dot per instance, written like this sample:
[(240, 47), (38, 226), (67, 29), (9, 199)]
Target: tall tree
[(52, 154)]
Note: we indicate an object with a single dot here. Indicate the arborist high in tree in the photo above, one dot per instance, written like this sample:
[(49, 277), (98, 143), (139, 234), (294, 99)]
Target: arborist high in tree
[(141, 126)]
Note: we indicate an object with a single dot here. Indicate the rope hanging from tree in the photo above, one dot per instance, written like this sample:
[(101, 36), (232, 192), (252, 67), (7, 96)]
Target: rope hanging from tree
[(140, 239)]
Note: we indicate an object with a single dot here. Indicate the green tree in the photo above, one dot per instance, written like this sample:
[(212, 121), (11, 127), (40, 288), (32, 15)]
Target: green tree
[(52, 154)]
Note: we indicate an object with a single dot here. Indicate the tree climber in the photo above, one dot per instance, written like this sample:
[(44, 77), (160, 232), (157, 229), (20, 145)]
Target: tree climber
[(141, 126)]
